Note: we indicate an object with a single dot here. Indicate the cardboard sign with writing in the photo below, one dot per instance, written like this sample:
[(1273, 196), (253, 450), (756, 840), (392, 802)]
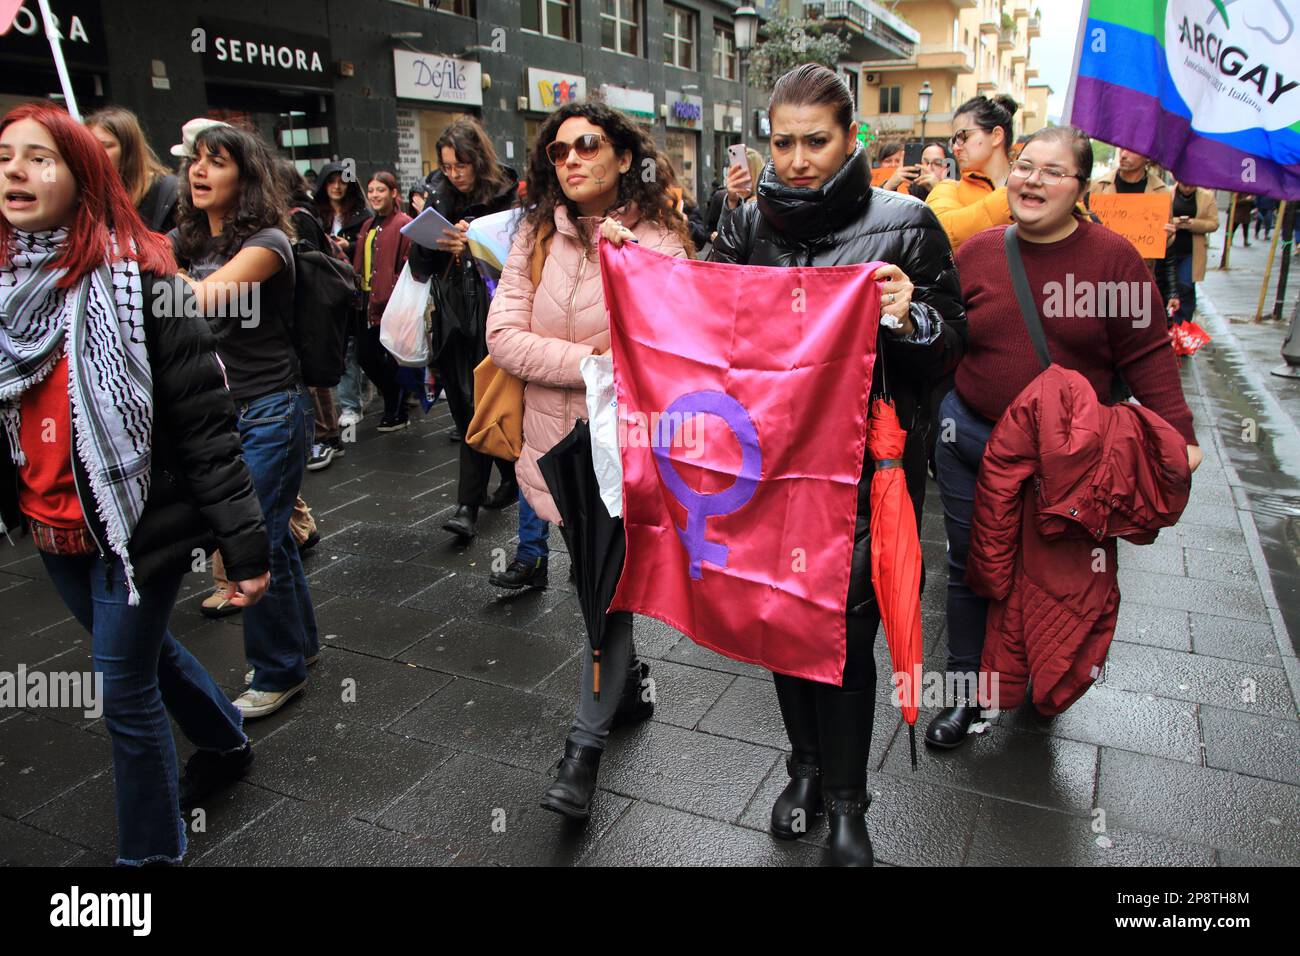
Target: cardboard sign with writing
[(1138, 217)]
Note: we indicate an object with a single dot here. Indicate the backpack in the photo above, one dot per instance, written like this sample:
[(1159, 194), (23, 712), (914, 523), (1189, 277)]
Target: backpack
[(324, 296)]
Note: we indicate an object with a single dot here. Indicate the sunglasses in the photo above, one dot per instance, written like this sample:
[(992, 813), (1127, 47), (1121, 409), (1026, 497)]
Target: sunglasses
[(587, 145)]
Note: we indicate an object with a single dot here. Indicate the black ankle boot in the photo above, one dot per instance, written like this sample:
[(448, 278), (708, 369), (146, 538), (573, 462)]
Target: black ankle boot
[(575, 782), (801, 800), (844, 720), (507, 493), (632, 708), (520, 575), (207, 772), (949, 727), (800, 803), (464, 523)]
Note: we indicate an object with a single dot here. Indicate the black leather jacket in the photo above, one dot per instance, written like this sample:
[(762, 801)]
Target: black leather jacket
[(843, 222), (200, 491), (450, 202)]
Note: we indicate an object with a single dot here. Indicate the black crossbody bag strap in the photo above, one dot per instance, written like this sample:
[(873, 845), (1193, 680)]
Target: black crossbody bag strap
[(1028, 310)]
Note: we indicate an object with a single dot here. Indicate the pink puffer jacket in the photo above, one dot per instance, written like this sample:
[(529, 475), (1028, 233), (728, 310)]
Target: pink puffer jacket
[(542, 335)]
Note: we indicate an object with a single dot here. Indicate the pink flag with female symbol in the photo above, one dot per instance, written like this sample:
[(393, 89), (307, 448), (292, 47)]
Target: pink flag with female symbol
[(742, 406)]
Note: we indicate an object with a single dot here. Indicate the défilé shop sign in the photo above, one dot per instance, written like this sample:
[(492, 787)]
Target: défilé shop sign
[(437, 78), (261, 54)]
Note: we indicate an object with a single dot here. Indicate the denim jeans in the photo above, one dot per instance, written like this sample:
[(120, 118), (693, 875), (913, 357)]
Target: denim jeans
[(147, 674), (350, 383), (533, 532), (957, 463), (279, 630), (1186, 289)]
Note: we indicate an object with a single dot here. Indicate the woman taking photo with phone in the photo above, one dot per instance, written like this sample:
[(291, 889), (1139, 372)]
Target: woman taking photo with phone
[(816, 207), (233, 241), (981, 142), (1058, 246), (468, 183), (121, 458), (584, 177)]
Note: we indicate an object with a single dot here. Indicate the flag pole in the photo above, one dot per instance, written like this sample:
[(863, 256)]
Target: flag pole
[(1067, 114), (1227, 246), (1268, 266), (52, 34)]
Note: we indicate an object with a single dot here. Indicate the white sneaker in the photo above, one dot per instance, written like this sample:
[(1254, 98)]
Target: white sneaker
[(349, 418), (262, 703), (248, 677)]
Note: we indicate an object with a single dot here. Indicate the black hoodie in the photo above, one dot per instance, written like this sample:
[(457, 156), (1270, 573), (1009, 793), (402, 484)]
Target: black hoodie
[(353, 223)]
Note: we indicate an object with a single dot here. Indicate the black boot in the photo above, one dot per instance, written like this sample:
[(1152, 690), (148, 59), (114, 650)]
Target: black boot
[(632, 707), (520, 575), (207, 772), (844, 719), (464, 522), (800, 803), (948, 729), (507, 493), (575, 782)]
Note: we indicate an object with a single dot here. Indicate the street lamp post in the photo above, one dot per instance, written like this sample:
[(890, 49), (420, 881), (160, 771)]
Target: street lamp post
[(746, 19), (924, 97)]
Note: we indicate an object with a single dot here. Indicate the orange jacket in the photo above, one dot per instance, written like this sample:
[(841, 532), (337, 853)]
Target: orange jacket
[(968, 206)]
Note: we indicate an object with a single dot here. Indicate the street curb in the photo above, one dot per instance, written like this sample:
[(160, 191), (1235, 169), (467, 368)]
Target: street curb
[(1258, 394)]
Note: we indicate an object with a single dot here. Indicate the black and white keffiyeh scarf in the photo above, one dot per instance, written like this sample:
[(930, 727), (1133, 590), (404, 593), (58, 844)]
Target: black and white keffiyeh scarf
[(99, 324)]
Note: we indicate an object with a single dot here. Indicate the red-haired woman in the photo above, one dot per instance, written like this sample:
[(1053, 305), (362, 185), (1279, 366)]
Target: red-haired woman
[(144, 468)]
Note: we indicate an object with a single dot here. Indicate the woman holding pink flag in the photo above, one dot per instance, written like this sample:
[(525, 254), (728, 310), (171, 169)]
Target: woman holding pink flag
[(585, 175), (816, 207)]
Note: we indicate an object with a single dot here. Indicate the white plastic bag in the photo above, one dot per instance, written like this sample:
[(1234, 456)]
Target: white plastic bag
[(602, 417), (404, 329)]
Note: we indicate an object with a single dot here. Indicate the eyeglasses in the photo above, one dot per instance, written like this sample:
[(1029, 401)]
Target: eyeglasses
[(1050, 177), (959, 138), (936, 163), (455, 169), (587, 145)]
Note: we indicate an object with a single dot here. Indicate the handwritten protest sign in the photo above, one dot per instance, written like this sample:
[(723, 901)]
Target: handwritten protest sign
[(1138, 217)]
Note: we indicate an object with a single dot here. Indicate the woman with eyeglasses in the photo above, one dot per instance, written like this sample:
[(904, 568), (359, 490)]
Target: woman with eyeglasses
[(1062, 250), (816, 207), (548, 314), (981, 142), (934, 170), (468, 183)]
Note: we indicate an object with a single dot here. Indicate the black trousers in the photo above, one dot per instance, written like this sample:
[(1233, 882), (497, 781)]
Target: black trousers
[(456, 372), (380, 367)]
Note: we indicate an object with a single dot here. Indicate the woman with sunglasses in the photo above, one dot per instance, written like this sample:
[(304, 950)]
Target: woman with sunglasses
[(585, 175), (468, 183), (981, 142), (1056, 241), (816, 207), (121, 458)]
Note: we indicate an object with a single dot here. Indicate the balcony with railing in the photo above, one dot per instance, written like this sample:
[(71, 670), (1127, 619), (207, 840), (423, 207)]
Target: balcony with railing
[(874, 33), (1007, 39), (1034, 29)]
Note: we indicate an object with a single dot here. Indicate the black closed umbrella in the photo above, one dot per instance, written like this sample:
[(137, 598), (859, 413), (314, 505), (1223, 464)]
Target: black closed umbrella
[(596, 543)]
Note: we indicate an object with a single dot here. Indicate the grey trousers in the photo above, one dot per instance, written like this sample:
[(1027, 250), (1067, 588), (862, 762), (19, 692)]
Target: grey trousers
[(617, 656)]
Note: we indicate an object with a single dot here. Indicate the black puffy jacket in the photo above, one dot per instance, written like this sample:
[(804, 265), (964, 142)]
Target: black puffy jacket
[(200, 491), (451, 202), (843, 222)]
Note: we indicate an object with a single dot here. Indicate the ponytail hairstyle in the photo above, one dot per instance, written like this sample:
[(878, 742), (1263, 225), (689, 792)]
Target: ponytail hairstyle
[(650, 194), (812, 84), (139, 165), (102, 203), (990, 114)]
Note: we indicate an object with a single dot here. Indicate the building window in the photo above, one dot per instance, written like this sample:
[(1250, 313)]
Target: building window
[(679, 37), (891, 99), (551, 18), (724, 54), (620, 26)]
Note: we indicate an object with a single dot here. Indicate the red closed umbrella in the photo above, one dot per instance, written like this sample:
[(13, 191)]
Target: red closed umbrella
[(896, 557)]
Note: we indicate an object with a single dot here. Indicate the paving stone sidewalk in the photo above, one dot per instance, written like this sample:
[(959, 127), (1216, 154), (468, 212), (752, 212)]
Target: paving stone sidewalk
[(1188, 752)]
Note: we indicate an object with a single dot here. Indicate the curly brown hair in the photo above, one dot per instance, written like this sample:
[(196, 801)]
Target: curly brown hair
[(654, 204)]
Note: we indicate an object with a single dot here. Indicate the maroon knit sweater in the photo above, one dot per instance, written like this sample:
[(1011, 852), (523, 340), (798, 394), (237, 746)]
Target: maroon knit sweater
[(1093, 325)]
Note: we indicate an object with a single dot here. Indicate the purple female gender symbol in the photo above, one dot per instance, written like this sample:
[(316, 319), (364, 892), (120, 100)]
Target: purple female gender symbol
[(699, 508)]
